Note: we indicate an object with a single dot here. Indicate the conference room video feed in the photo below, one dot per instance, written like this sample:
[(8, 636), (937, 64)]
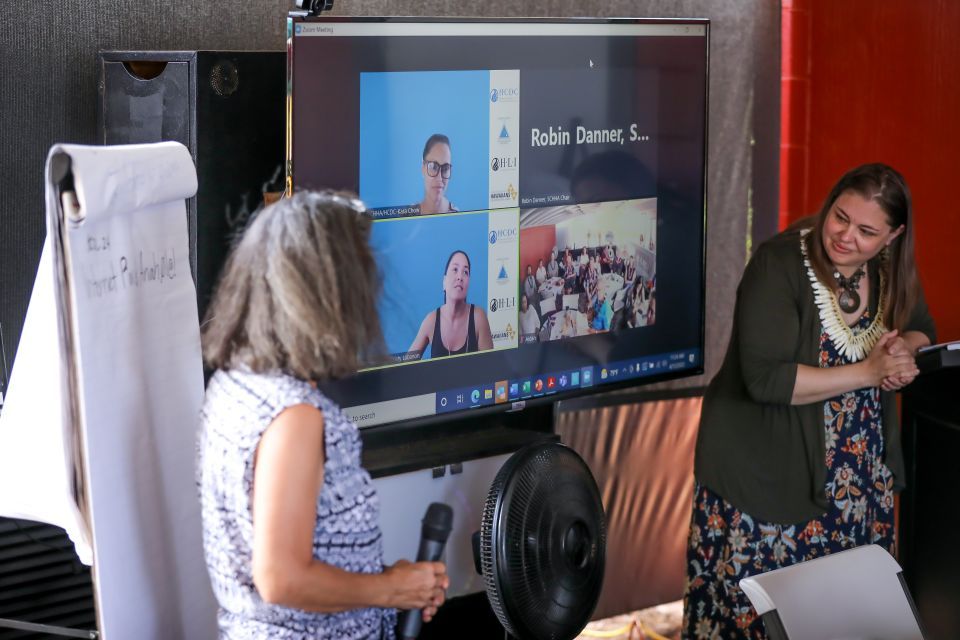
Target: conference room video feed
[(588, 269), (449, 284), (439, 141)]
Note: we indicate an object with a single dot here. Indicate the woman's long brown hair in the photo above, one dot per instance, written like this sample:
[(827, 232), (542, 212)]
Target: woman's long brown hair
[(299, 292)]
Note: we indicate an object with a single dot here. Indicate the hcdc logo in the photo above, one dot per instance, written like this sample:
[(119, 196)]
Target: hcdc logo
[(503, 235), (509, 94)]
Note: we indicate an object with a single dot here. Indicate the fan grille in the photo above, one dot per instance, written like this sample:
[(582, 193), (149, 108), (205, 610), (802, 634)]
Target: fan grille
[(542, 543), (486, 544)]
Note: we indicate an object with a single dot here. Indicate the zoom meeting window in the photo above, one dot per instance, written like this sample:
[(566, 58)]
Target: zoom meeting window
[(538, 196)]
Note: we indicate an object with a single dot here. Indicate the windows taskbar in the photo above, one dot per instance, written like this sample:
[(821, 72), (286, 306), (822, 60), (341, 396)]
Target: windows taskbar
[(507, 392)]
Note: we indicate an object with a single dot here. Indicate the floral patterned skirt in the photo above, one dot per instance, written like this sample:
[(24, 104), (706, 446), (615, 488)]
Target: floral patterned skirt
[(727, 544)]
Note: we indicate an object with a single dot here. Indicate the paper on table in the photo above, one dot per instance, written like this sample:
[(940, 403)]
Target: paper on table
[(949, 346)]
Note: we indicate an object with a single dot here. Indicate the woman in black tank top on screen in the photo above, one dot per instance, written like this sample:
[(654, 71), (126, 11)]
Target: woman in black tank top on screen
[(455, 326)]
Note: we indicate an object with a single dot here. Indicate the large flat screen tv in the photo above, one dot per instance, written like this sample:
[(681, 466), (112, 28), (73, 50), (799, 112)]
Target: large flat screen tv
[(538, 190)]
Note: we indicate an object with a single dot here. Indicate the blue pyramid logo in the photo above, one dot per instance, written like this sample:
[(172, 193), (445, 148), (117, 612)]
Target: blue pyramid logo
[(503, 133), (503, 273)]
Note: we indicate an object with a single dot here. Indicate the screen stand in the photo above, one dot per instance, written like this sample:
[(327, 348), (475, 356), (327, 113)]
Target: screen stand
[(434, 445)]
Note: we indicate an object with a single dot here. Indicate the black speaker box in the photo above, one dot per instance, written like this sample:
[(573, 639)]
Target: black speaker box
[(929, 519), (227, 108)]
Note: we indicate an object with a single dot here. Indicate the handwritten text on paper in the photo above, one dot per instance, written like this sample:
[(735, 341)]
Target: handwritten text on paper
[(140, 269)]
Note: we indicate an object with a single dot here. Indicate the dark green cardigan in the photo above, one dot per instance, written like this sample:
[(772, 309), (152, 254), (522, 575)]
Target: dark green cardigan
[(759, 452)]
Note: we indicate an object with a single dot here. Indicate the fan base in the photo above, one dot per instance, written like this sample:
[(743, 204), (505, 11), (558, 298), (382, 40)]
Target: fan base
[(466, 617)]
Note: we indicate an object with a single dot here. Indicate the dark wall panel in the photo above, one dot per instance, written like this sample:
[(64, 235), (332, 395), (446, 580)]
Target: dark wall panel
[(48, 94)]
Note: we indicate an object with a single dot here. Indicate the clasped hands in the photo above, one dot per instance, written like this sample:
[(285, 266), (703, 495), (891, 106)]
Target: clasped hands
[(892, 362)]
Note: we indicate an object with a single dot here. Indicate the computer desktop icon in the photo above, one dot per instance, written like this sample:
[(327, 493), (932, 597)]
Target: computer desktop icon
[(514, 389), (551, 382), (526, 387), (575, 379), (562, 381), (586, 375), (488, 394), (475, 396), (538, 385), (501, 391)]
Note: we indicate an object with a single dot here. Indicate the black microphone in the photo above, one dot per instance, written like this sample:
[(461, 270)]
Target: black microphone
[(437, 523)]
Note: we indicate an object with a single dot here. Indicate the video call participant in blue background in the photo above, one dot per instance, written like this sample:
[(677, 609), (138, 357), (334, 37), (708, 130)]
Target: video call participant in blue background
[(437, 170), (412, 263), (397, 114), (454, 327)]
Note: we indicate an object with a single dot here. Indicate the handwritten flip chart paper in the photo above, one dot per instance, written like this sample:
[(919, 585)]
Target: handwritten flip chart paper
[(140, 386), (37, 446), (128, 370)]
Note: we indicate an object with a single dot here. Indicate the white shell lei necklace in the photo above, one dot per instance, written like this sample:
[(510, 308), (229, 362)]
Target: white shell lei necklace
[(855, 346)]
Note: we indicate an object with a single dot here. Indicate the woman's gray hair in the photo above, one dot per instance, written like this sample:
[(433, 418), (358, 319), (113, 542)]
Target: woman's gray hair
[(299, 292)]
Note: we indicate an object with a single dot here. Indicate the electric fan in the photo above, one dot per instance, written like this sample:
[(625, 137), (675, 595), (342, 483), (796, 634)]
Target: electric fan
[(542, 543)]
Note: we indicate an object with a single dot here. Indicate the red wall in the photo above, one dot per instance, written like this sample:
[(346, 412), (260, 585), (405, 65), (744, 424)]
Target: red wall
[(536, 243), (869, 80)]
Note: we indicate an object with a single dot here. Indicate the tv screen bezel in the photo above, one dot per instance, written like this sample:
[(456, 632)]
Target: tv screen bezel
[(490, 412)]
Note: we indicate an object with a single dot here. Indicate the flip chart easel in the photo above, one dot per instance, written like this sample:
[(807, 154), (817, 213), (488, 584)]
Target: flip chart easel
[(104, 398)]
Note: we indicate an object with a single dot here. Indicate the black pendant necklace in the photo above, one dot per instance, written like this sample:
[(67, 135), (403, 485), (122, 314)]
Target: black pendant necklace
[(849, 295)]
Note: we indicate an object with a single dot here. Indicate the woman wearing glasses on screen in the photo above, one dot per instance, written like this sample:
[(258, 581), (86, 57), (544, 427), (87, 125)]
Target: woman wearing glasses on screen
[(436, 169), (290, 518), (454, 327)]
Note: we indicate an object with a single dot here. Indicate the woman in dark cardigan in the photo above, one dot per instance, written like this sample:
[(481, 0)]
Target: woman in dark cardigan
[(798, 453)]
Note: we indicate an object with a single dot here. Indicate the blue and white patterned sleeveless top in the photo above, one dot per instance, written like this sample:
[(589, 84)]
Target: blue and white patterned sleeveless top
[(237, 410)]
